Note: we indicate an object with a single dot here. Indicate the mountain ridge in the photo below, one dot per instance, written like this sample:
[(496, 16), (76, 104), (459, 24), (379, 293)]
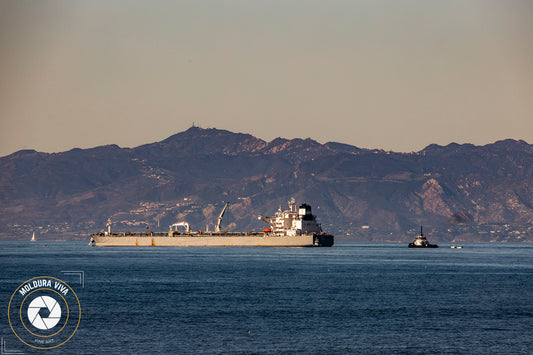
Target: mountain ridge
[(460, 192)]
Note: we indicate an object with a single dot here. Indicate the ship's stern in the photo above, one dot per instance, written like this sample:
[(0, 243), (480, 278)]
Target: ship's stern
[(323, 240)]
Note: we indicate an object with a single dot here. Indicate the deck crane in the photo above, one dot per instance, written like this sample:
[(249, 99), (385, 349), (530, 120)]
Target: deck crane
[(175, 226), (219, 219)]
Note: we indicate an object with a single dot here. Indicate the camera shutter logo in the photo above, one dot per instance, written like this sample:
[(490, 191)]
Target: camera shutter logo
[(44, 312), (53, 308)]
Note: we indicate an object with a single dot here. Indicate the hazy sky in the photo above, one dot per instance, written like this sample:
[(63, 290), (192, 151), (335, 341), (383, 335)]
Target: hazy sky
[(394, 74)]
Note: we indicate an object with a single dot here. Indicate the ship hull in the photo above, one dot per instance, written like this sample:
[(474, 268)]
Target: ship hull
[(228, 240), (412, 245)]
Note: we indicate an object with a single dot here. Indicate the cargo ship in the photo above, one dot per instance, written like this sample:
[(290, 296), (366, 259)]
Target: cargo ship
[(289, 228)]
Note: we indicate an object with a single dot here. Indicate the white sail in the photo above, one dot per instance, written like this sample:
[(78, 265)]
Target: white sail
[(33, 237)]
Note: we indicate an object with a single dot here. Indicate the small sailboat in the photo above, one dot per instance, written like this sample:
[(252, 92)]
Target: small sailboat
[(33, 237)]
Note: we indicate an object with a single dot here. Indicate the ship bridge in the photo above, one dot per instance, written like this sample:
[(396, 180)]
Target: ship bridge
[(291, 222)]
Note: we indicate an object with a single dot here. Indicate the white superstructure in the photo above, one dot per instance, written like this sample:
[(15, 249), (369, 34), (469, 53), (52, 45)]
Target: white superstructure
[(291, 222)]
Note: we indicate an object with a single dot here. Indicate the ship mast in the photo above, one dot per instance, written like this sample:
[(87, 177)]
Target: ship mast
[(291, 203), (108, 224)]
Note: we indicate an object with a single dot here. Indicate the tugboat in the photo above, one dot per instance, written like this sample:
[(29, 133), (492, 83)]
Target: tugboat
[(421, 242)]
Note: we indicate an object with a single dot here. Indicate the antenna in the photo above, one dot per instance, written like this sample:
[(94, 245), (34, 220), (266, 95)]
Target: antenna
[(291, 203)]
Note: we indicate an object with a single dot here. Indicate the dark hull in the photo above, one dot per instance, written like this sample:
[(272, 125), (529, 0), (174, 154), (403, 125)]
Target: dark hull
[(412, 245)]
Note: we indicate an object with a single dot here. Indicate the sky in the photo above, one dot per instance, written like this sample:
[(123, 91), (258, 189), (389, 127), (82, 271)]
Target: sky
[(396, 75)]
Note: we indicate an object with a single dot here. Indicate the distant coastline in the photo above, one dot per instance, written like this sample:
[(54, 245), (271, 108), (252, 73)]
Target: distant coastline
[(462, 193)]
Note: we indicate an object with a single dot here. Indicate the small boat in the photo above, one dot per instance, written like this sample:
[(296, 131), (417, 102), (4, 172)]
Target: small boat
[(32, 237), (421, 242), (456, 247)]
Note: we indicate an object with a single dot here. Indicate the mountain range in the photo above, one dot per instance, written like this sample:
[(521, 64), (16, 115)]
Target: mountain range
[(458, 192)]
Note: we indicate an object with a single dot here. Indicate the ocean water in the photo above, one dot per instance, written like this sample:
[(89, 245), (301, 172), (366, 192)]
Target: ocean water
[(378, 298)]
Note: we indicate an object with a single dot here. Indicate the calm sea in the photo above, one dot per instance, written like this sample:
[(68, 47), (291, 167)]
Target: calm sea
[(379, 298)]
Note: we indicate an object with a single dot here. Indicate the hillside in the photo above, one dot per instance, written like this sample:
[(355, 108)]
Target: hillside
[(458, 192)]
